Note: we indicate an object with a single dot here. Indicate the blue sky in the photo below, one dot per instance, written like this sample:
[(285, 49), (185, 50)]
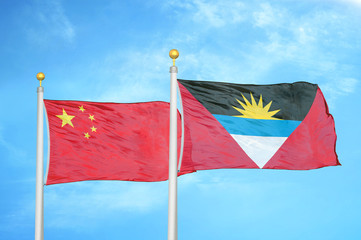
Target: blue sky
[(117, 51)]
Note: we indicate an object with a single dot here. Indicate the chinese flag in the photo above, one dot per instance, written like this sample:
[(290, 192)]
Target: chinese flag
[(108, 141)]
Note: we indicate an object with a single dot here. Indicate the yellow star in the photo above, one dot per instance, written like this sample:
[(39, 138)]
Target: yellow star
[(66, 119), (86, 135), (91, 117), (93, 129), (81, 108)]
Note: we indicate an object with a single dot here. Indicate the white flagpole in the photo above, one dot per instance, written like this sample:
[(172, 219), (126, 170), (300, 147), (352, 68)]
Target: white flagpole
[(39, 197), (172, 187)]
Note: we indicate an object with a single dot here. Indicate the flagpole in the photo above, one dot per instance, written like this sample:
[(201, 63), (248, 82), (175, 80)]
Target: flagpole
[(172, 187), (39, 195)]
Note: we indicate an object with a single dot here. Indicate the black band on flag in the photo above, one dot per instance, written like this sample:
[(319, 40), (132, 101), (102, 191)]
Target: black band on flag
[(293, 100)]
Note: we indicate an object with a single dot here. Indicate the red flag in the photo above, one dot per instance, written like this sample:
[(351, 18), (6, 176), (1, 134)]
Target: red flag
[(279, 126), (108, 141)]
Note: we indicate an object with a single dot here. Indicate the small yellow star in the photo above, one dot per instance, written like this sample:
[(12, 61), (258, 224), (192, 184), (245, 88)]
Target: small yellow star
[(86, 135), (66, 119), (93, 129), (91, 117), (81, 108)]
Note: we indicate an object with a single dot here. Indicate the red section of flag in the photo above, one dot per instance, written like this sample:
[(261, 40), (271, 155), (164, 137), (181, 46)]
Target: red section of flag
[(312, 144), (207, 145), (108, 141)]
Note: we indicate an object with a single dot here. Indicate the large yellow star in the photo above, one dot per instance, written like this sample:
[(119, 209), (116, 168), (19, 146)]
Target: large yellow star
[(66, 119)]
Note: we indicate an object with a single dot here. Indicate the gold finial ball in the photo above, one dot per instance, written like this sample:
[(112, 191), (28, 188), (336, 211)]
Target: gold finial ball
[(173, 53), (40, 76)]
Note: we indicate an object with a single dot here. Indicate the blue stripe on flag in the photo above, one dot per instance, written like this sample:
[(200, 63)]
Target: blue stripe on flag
[(257, 127)]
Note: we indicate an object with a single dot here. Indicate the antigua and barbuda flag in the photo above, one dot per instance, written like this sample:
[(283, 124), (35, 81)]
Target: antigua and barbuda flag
[(108, 141), (278, 126)]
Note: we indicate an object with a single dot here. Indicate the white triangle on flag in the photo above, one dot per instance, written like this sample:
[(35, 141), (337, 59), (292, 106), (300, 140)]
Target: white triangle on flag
[(259, 149)]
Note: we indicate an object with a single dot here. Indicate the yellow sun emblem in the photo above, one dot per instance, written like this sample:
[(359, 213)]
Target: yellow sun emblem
[(254, 110)]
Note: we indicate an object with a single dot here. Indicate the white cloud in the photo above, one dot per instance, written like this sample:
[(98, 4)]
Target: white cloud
[(218, 13), (49, 22), (135, 76), (215, 184), (77, 204), (23, 215), (268, 16), (210, 66), (286, 39), (13, 151), (304, 35), (211, 13), (348, 85), (305, 42), (289, 38), (338, 87), (354, 2), (84, 204)]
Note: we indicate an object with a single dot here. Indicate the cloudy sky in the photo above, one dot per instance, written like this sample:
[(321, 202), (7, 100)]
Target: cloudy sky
[(117, 51)]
